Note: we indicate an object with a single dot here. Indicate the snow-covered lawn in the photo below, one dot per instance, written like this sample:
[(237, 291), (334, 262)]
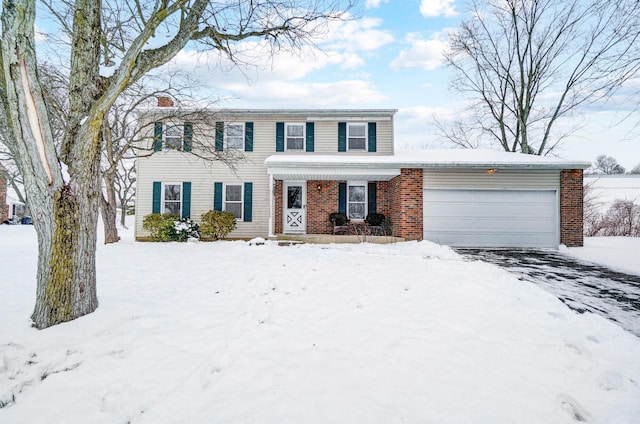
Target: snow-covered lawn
[(621, 253), (230, 332)]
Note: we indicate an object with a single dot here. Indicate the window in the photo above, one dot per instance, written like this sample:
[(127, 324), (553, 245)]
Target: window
[(294, 136), (172, 198), (234, 135), (357, 200), (357, 136), (233, 199), (173, 136)]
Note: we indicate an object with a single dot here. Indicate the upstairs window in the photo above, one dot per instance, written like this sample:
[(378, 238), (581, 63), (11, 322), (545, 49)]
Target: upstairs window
[(173, 136), (234, 135), (294, 136), (357, 136)]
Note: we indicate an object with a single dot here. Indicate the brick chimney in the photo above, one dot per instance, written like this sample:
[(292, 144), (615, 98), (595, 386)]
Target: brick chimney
[(165, 101)]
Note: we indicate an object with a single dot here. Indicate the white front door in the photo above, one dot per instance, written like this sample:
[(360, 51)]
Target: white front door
[(295, 203)]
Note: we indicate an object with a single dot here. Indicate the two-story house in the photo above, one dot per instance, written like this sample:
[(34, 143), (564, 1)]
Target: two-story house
[(291, 168)]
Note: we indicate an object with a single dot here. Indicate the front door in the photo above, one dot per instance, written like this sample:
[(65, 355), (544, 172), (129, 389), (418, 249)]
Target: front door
[(295, 207)]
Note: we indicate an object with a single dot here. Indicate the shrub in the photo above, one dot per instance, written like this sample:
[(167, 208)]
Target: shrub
[(217, 224), (168, 227)]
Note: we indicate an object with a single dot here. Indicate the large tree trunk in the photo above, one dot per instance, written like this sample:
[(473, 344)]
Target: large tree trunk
[(65, 212)]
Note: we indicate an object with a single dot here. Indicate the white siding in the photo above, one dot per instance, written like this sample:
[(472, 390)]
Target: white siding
[(174, 166)]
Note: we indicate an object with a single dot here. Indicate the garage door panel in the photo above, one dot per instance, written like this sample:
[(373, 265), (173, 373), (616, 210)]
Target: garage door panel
[(491, 218)]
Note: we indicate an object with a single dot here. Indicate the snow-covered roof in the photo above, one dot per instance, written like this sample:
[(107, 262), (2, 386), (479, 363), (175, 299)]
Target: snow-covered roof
[(448, 158)]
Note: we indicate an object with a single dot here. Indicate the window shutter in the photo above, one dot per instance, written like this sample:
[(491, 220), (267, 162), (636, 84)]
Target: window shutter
[(219, 136), (342, 136), (372, 198), (342, 198), (157, 192), (310, 136), (248, 202), (188, 136), (157, 136), (372, 142), (248, 136), (217, 196), (279, 136), (186, 199)]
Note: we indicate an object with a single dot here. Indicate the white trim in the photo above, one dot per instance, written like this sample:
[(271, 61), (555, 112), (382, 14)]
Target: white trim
[(225, 142), (366, 138), (162, 196), (304, 136), (224, 198), (350, 118), (272, 193)]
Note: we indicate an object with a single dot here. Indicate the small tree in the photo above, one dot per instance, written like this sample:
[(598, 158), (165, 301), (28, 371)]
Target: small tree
[(607, 165)]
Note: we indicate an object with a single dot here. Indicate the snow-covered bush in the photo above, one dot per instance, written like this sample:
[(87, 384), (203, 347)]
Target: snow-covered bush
[(217, 224), (169, 227)]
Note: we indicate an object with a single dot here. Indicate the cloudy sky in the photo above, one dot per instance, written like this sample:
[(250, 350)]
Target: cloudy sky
[(389, 55)]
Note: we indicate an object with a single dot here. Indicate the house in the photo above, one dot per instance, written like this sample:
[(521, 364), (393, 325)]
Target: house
[(298, 166)]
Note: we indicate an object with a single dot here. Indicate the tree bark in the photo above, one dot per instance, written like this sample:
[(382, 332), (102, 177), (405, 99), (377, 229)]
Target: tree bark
[(108, 211)]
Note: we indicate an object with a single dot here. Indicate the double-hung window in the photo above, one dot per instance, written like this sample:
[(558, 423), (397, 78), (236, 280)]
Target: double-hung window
[(294, 136), (357, 136), (173, 134), (172, 198), (233, 199), (357, 200), (234, 135)]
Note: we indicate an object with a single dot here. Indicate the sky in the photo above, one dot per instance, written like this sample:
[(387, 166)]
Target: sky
[(389, 55)]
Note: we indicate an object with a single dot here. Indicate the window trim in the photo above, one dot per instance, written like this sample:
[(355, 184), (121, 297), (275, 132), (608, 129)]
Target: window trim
[(241, 202), (304, 136), (163, 199), (363, 184), (171, 146), (366, 134), (226, 135)]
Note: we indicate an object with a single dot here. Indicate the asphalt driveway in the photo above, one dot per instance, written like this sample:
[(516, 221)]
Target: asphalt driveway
[(583, 286)]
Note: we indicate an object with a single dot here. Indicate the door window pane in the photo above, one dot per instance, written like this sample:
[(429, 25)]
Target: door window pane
[(294, 197)]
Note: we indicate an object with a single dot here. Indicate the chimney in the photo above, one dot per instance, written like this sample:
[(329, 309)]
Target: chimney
[(165, 101)]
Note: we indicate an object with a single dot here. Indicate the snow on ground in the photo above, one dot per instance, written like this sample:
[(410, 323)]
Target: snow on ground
[(621, 253), (232, 332)]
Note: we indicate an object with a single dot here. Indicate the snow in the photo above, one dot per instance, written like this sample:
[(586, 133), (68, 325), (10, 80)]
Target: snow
[(620, 253), (434, 158), (232, 332), (608, 188)]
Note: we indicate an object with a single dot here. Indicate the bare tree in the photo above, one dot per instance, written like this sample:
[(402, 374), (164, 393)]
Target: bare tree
[(63, 186), (635, 170), (525, 64), (607, 165)]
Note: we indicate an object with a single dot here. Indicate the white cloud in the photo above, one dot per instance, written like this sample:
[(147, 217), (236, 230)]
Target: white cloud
[(424, 54), (431, 8), (373, 4), (357, 35)]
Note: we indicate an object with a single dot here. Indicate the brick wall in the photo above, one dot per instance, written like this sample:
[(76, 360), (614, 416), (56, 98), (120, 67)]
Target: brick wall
[(571, 207), (4, 208), (322, 199), (277, 206), (405, 204)]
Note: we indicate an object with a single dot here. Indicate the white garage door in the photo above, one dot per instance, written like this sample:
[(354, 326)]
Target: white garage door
[(491, 218)]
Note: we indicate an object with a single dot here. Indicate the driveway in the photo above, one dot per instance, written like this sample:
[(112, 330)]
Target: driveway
[(583, 286)]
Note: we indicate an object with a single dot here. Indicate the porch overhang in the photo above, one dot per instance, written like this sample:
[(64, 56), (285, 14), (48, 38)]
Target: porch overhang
[(288, 168)]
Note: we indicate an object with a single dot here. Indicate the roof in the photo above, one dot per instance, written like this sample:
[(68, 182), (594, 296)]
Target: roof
[(444, 159), (309, 114)]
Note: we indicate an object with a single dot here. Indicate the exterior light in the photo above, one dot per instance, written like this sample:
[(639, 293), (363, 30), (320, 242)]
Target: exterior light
[(491, 171)]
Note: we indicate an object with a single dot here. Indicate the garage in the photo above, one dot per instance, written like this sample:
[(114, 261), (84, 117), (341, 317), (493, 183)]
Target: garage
[(477, 209)]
